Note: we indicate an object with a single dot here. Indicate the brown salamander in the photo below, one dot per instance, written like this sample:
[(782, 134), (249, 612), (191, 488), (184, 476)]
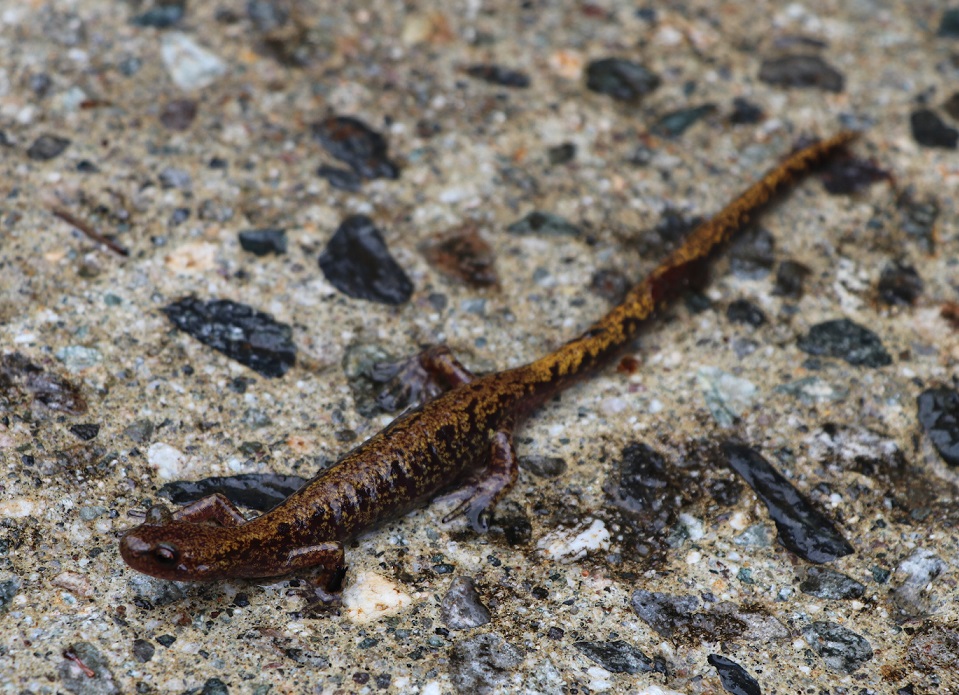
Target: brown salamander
[(462, 439)]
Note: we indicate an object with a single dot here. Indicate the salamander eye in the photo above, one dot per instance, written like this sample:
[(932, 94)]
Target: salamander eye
[(165, 554)]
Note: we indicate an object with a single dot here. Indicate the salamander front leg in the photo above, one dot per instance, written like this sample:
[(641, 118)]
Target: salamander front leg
[(215, 508), (421, 378), (480, 494)]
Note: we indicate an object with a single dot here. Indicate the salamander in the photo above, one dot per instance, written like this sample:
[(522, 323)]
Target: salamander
[(460, 440)]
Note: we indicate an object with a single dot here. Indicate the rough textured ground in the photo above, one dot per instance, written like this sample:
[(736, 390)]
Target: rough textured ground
[(75, 618)]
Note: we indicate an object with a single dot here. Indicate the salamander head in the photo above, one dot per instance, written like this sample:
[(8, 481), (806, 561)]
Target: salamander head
[(178, 550)]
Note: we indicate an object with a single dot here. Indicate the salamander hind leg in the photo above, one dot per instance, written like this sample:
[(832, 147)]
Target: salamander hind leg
[(326, 571), (420, 378), (480, 494)]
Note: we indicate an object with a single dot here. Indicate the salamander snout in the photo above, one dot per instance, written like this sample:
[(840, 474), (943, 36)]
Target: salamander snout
[(157, 558)]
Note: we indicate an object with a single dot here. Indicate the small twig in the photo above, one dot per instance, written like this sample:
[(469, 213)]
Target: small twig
[(72, 656), (87, 229)]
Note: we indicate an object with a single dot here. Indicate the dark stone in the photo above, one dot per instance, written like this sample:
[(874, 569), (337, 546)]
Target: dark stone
[(357, 262), (172, 177), (735, 678), (847, 340), (143, 650), (839, 647), (938, 413), (8, 589), (845, 174), (823, 582), (178, 114), (86, 431), (675, 123), (359, 146), (464, 255), (951, 106), (561, 154), (85, 166), (801, 71), (619, 657), (343, 179), (214, 686), (745, 112), (538, 222), (949, 24), (621, 79), (665, 613), (899, 284), (918, 219), (802, 528), (790, 277), (160, 17), (496, 74), (166, 640), (743, 311), (264, 241), (543, 466), (47, 388), (461, 607), (47, 147), (931, 131), (240, 332), (934, 649), (482, 663)]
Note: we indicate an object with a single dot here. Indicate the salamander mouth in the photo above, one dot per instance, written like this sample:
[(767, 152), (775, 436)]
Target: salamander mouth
[(156, 559)]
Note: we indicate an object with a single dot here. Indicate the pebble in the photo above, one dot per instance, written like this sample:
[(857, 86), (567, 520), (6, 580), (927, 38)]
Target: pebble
[(461, 607), (178, 114), (74, 582), (790, 278), (917, 219), (160, 17), (173, 177), (675, 123), (802, 528), (934, 649), (811, 390), (823, 582), (801, 71), (76, 358), (949, 24), (371, 596), (539, 222), (938, 413), (569, 545), (913, 597), (47, 147), (260, 491), (342, 179), (726, 396), (482, 663), (620, 657), (353, 142), (735, 678), (496, 74), (847, 340), (621, 79), (543, 466), (357, 262), (240, 332), (464, 255), (143, 650), (85, 431), (167, 460), (899, 284), (8, 589), (745, 112), (931, 131), (840, 648), (190, 65), (751, 255), (744, 311), (262, 242)]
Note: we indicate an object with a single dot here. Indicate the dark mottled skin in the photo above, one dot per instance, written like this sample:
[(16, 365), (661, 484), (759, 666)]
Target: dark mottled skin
[(462, 438)]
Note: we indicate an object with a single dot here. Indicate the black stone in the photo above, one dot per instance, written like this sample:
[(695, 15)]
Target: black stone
[(496, 74), (214, 686), (745, 112), (538, 222), (735, 678), (543, 466), (931, 131), (918, 219), (240, 332), (47, 147), (86, 431), (801, 71), (264, 241), (561, 154), (938, 412), (621, 79), (847, 340), (160, 17), (949, 24), (801, 527), (743, 311), (751, 255), (143, 650), (357, 262), (900, 284), (359, 146), (619, 657), (675, 123), (846, 174), (790, 277)]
